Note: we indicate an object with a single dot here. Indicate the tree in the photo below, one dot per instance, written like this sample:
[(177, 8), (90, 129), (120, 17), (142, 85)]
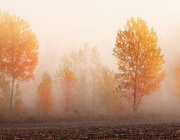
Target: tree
[(95, 70), (140, 61), (18, 105), (44, 95), (19, 47), (85, 64), (68, 83), (107, 89)]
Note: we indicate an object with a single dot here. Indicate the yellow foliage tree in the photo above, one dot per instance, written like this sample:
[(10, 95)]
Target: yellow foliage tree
[(107, 89), (44, 97), (140, 61), (68, 84), (18, 50), (86, 65)]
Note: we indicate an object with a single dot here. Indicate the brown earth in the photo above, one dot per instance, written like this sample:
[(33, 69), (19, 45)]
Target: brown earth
[(107, 129)]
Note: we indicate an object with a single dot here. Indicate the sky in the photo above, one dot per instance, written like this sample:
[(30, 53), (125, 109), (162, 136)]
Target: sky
[(67, 24)]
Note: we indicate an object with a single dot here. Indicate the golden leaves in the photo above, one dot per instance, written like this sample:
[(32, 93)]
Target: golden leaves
[(139, 59), (44, 97), (19, 47)]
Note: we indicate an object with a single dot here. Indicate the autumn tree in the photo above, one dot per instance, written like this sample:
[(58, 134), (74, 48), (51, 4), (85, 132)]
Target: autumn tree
[(68, 84), (140, 62), (107, 92), (94, 75), (18, 102), (107, 89), (19, 49), (44, 95), (86, 65)]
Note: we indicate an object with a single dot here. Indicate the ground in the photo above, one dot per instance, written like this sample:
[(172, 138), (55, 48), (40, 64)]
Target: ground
[(138, 128)]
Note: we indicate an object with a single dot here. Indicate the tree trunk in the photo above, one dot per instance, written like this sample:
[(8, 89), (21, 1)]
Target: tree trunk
[(134, 103), (46, 108), (135, 91), (11, 98), (67, 105)]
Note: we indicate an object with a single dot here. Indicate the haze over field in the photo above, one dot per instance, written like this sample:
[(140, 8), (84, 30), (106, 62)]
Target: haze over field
[(63, 26)]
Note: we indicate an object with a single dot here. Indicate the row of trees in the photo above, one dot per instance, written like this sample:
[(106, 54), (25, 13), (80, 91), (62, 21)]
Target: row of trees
[(140, 71), (81, 82)]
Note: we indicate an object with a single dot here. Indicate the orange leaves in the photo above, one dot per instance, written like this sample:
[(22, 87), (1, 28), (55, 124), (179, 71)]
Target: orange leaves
[(44, 96), (69, 76), (139, 60), (19, 46)]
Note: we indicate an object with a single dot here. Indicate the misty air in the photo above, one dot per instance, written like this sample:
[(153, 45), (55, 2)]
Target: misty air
[(89, 69)]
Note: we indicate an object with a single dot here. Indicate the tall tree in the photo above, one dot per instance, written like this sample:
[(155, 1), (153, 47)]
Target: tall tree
[(85, 64), (107, 89), (95, 71), (68, 83), (19, 47), (44, 95), (140, 61)]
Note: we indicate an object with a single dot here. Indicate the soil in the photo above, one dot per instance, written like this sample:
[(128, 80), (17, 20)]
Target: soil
[(107, 129)]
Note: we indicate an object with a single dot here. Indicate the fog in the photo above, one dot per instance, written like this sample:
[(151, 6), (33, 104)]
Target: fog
[(64, 26)]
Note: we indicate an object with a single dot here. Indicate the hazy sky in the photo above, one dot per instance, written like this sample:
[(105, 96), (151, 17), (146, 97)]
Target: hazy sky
[(69, 23)]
